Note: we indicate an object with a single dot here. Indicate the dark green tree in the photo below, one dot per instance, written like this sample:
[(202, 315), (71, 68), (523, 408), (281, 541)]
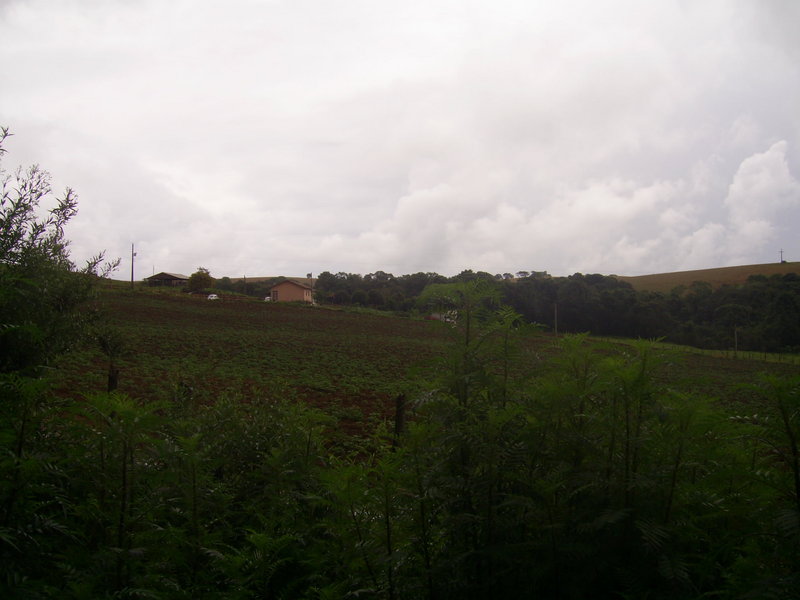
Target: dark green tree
[(225, 284), (200, 280), (41, 291)]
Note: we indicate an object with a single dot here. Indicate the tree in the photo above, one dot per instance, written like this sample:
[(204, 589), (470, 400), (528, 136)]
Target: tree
[(200, 280), (412, 285), (225, 284), (41, 292), (359, 297)]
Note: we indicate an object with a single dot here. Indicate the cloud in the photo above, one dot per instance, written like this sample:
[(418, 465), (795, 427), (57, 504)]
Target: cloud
[(278, 137), (763, 196), (762, 186)]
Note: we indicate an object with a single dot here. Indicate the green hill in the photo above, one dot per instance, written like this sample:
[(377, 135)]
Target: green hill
[(664, 282)]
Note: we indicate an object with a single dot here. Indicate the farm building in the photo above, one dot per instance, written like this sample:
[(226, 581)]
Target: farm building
[(294, 289), (167, 279)]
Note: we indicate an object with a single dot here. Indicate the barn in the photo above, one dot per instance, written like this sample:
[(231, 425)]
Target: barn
[(167, 279)]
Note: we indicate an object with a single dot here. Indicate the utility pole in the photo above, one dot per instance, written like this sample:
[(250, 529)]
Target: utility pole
[(555, 318), (133, 255), (781, 255)]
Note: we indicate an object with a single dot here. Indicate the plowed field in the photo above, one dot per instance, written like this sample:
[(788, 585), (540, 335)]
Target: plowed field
[(183, 348), (188, 349)]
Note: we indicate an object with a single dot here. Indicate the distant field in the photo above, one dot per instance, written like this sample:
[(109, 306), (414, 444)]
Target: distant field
[(665, 282), (183, 348)]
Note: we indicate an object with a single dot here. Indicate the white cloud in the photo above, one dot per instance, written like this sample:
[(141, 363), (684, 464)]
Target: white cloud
[(289, 137), (762, 186), (703, 247)]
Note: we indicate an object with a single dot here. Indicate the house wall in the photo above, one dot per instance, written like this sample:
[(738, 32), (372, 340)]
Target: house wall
[(290, 292), (166, 282)]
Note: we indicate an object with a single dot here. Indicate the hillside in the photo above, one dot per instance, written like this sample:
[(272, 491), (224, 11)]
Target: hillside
[(664, 282), (352, 364)]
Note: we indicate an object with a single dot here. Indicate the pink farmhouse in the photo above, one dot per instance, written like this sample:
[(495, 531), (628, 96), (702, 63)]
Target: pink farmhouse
[(292, 290)]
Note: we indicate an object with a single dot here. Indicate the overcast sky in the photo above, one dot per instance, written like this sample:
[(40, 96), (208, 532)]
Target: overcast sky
[(257, 137)]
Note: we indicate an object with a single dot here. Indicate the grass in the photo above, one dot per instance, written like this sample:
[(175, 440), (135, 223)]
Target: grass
[(748, 355)]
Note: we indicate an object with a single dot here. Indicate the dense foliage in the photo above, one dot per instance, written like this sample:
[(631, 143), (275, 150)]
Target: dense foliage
[(200, 280), (40, 291), (575, 477), (762, 314)]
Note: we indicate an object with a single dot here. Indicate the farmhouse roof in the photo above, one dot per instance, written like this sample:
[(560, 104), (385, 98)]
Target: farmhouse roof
[(273, 279), (165, 275), (303, 282)]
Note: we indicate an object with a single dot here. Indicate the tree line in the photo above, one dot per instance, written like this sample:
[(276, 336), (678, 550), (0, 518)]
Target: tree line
[(762, 314)]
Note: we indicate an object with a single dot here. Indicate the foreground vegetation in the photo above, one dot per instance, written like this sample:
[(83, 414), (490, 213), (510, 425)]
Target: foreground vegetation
[(585, 472)]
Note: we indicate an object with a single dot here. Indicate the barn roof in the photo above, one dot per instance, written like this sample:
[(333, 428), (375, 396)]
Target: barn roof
[(165, 275)]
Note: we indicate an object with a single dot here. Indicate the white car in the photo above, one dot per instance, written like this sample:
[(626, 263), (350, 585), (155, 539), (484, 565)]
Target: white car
[(213, 297)]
